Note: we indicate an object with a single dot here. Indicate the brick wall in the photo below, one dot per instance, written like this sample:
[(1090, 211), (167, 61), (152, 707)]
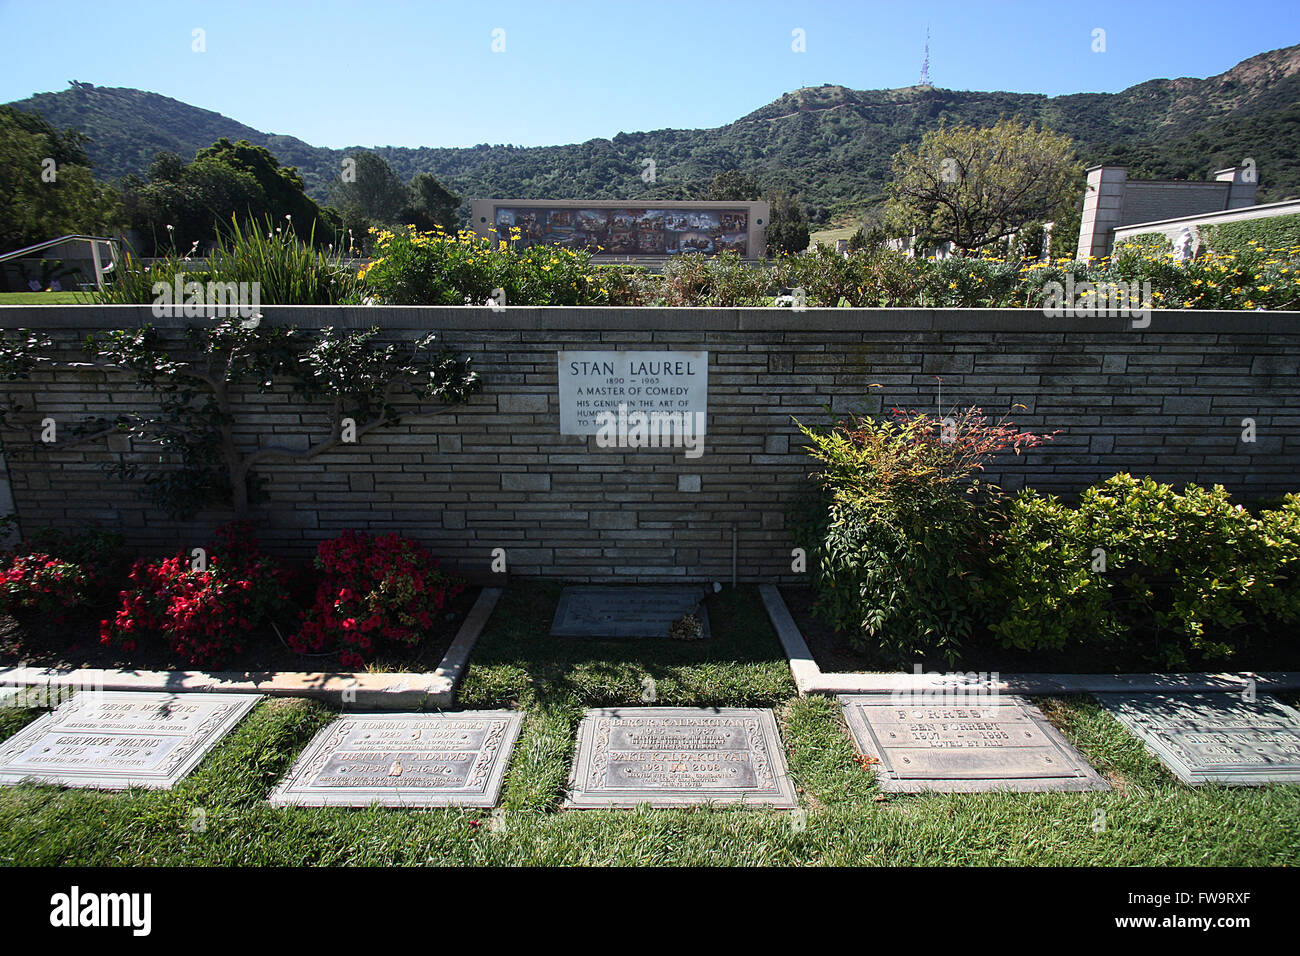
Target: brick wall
[(1167, 401)]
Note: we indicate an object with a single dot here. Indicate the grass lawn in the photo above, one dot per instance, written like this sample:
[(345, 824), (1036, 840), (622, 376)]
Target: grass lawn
[(1150, 818), (828, 236), (44, 298)]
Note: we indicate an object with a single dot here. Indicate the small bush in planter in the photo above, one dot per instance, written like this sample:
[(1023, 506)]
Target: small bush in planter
[(898, 540), (56, 574), (206, 616), (376, 591)]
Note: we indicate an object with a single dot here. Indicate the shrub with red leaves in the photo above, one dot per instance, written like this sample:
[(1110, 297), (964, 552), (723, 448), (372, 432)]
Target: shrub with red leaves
[(206, 617), (375, 590)]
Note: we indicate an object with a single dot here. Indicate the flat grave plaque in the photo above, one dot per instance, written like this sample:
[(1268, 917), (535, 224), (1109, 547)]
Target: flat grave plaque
[(455, 759), (679, 756), (1214, 737), (1002, 743), (112, 740), (626, 612)]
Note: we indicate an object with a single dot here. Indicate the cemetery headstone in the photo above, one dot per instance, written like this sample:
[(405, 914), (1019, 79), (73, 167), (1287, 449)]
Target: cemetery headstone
[(998, 743), (627, 612), (679, 756), (455, 759), (112, 740), (662, 394), (1215, 737)]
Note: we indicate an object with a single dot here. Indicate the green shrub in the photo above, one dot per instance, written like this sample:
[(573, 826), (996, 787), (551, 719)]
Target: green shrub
[(896, 542), (1277, 234), (1144, 243), (437, 268), (1176, 576)]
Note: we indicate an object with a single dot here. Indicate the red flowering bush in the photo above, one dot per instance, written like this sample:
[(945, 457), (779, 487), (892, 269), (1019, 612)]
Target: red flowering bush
[(206, 616), (41, 586), (57, 574), (376, 589)]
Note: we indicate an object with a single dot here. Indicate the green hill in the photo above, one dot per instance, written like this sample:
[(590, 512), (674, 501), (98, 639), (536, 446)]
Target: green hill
[(830, 145)]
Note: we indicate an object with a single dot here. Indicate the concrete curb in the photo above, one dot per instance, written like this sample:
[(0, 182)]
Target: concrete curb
[(810, 679), (359, 691)]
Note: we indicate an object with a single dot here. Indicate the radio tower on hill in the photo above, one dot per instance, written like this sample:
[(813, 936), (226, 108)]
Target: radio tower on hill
[(925, 61)]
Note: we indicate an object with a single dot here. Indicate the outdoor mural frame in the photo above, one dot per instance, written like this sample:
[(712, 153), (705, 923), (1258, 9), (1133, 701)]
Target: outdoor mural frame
[(620, 229)]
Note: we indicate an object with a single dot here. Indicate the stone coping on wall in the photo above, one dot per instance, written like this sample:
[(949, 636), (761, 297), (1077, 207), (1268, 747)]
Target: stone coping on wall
[(361, 690), (810, 678), (654, 319)]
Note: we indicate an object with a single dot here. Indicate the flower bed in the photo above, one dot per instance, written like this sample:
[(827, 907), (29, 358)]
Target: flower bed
[(232, 605)]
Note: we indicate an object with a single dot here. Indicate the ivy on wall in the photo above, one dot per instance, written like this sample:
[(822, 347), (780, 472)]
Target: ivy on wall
[(194, 418)]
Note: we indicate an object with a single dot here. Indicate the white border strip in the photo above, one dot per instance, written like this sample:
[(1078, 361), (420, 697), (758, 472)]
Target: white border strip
[(811, 680), (397, 691)]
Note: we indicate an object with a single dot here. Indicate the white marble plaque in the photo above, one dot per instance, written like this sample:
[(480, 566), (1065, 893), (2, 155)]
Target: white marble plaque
[(1002, 743), (670, 389), (117, 739), (454, 759), (679, 756), (1215, 737)]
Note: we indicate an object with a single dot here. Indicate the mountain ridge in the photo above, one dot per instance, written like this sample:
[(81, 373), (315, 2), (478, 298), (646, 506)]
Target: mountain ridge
[(829, 144)]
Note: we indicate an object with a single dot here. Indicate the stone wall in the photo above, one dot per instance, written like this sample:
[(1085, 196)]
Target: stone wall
[(1167, 400)]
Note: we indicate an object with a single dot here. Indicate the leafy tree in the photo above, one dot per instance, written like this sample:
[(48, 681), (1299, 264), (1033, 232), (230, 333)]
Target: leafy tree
[(732, 186), (430, 204), (973, 186), (369, 194), (184, 204), (46, 186), (788, 229)]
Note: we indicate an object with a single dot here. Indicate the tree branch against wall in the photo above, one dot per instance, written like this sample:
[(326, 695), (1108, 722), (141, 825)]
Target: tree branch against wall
[(197, 409)]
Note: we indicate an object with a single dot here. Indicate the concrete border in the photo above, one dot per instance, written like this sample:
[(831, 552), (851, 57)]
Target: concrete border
[(810, 679), (552, 319), (364, 691)]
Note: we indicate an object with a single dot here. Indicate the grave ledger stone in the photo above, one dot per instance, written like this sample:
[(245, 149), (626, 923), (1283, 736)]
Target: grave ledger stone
[(678, 756), (626, 612), (999, 743), (454, 759), (1215, 737), (117, 739)]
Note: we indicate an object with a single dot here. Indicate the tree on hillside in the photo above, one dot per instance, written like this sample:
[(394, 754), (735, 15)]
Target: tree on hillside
[(46, 186), (183, 203), (973, 186), (369, 193), (732, 186), (430, 204), (368, 188), (788, 229)]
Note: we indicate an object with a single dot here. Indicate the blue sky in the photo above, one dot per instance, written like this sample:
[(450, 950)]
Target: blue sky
[(343, 72)]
